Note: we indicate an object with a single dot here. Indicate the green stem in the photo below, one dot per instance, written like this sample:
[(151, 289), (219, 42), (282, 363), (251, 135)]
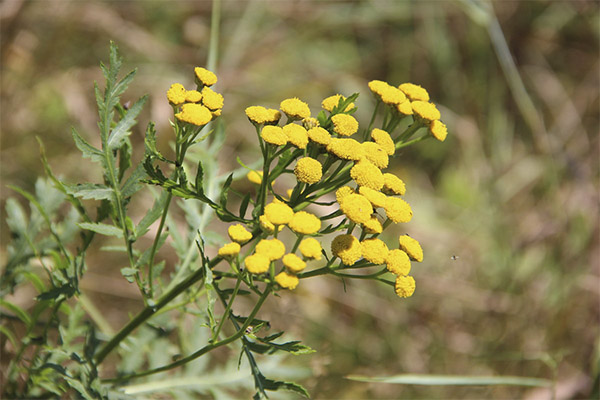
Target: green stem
[(417, 140), (227, 309)]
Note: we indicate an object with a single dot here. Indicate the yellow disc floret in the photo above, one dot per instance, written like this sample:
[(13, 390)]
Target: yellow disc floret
[(319, 135), (229, 250), (397, 210), (332, 101), (365, 173), (414, 92), (255, 177), (308, 170), (261, 115), (293, 263), (195, 114), (305, 223), (373, 225), (346, 149), (425, 111), (287, 280), (412, 247), (176, 94), (405, 286), (376, 154), (193, 96), (393, 185), (257, 263), (343, 192), (278, 213), (397, 262), (357, 208), (296, 135), (205, 77), (383, 139), (376, 198), (273, 135), (239, 234), (374, 250), (212, 99), (344, 124), (310, 248), (274, 249), (347, 248), (295, 108), (405, 108), (438, 129)]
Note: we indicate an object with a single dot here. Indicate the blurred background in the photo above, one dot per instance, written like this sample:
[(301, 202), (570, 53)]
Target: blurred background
[(506, 208)]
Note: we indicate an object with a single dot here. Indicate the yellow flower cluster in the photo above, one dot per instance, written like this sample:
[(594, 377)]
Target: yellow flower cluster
[(196, 107)]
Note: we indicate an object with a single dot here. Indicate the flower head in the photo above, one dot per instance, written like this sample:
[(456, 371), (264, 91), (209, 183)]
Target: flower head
[(393, 185), (296, 135), (176, 94), (438, 129), (193, 96), (397, 210), (229, 250), (310, 248), (205, 77), (239, 234), (278, 213), (344, 124), (295, 108), (267, 226), (373, 225), (293, 263), (376, 198), (319, 135), (405, 108), (357, 208), (255, 177), (287, 280), (212, 99), (365, 173), (308, 170), (414, 92), (376, 154), (261, 115), (273, 135), (397, 262), (383, 139), (347, 248), (425, 111), (405, 286), (412, 247), (195, 114), (274, 249), (305, 223), (346, 149), (332, 101), (257, 263), (343, 192), (387, 93), (374, 250)]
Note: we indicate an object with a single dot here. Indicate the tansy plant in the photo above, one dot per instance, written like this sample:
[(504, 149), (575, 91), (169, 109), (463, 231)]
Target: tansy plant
[(328, 220)]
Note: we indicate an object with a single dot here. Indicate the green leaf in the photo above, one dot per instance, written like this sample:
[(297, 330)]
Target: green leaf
[(272, 385), (18, 311), (66, 290), (16, 219), (445, 380), (152, 215), (87, 149), (225, 191), (10, 336), (123, 128), (133, 183), (103, 229), (199, 178), (244, 205), (89, 191), (129, 274), (124, 158)]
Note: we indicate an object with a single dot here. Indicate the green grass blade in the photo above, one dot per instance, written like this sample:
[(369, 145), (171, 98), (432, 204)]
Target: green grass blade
[(447, 380)]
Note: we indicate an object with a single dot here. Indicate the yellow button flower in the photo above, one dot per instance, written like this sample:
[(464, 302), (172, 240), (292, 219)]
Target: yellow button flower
[(295, 108), (405, 286), (176, 94), (438, 129), (376, 198), (375, 154), (373, 225), (343, 192), (378, 87), (195, 114), (414, 92), (205, 77), (393, 185), (308, 170), (257, 263), (212, 99), (365, 173), (384, 139), (397, 262), (310, 248), (412, 247), (319, 135), (273, 135), (193, 96), (425, 111), (346, 149), (261, 115), (239, 234), (357, 208), (287, 280), (293, 263), (255, 177), (374, 250), (347, 248), (274, 249), (332, 101), (229, 250), (398, 210), (305, 223), (344, 124), (405, 108), (296, 135), (267, 226), (278, 213), (386, 93)]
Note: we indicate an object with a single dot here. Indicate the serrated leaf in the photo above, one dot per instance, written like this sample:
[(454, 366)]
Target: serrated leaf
[(103, 229), (67, 291), (269, 384), (90, 191), (123, 128), (87, 149), (134, 182)]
